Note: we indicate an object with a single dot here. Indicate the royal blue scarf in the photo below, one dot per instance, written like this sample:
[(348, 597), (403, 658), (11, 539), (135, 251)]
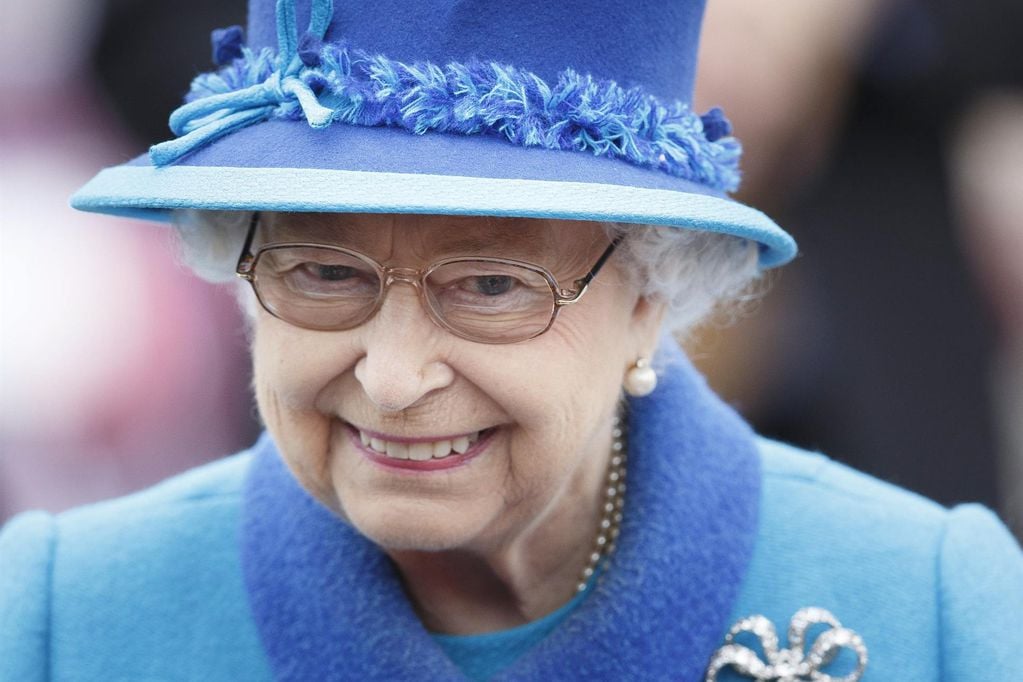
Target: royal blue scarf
[(329, 604)]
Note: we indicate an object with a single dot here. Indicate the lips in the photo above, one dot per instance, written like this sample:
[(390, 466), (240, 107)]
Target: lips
[(422, 453)]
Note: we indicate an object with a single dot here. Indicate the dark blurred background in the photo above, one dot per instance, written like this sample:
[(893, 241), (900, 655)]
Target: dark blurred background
[(874, 129), (886, 135)]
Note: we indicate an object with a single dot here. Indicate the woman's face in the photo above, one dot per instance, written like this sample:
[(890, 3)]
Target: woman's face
[(527, 424)]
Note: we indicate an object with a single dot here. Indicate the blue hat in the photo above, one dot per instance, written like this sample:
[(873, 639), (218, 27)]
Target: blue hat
[(531, 108)]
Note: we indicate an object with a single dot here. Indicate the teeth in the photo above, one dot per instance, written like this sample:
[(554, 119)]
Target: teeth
[(420, 452)]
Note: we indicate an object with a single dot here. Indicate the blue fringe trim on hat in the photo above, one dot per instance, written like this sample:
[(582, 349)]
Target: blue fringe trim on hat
[(331, 83)]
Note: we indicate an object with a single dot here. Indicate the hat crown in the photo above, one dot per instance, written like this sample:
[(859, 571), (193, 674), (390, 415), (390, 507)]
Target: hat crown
[(640, 43), (442, 107)]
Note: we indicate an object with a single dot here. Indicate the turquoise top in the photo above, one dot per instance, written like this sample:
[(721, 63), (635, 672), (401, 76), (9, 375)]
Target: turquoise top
[(481, 657)]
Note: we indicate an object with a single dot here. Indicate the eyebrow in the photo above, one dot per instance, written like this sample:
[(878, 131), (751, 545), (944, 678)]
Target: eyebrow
[(504, 238), (308, 229), (519, 241)]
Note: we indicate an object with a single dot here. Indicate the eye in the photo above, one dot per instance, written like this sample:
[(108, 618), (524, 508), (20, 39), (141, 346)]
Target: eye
[(332, 273), (473, 288), (492, 285), (333, 279), (319, 273)]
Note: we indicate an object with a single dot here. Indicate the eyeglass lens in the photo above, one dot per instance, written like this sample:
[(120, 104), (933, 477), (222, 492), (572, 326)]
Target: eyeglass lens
[(330, 289)]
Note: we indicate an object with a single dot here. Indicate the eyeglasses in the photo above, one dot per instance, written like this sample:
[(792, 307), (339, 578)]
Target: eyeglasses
[(330, 288)]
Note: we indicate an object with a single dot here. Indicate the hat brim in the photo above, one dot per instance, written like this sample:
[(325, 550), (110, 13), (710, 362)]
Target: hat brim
[(289, 166)]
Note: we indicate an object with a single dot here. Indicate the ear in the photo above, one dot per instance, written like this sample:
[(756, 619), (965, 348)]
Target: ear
[(645, 329)]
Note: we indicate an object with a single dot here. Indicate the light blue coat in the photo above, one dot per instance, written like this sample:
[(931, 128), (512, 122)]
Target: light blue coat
[(167, 584)]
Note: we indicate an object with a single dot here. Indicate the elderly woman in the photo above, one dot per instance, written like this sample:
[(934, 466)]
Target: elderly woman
[(484, 458)]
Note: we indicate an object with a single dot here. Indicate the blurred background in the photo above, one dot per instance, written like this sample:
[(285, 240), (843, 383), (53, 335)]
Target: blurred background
[(886, 135)]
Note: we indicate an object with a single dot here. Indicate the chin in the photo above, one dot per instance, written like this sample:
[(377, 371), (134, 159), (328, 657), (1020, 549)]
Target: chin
[(406, 525)]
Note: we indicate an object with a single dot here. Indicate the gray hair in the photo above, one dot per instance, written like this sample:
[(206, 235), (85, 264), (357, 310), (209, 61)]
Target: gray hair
[(694, 272)]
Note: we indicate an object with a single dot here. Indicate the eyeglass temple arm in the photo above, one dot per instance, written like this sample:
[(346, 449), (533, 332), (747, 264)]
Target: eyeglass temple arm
[(244, 267), (566, 296)]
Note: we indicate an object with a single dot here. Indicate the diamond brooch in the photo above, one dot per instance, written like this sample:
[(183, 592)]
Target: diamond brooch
[(793, 664)]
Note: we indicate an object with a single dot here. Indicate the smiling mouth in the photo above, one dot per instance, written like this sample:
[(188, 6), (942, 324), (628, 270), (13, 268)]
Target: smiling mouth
[(418, 452)]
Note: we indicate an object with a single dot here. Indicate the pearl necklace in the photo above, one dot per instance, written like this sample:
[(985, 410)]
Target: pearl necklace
[(611, 512)]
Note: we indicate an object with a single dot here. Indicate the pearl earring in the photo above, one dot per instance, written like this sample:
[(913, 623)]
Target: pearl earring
[(641, 379)]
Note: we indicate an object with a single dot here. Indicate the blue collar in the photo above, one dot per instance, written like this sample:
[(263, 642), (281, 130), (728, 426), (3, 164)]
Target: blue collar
[(329, 605)]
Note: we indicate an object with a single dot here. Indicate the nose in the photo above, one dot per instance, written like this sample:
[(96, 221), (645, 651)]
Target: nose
[(404, 359)]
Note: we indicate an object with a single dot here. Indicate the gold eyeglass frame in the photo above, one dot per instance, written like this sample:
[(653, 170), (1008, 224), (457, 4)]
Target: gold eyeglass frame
[(561, 297)]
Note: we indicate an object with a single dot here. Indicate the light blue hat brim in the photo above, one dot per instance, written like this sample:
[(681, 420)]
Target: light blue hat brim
[(352, 169), (152, 194)]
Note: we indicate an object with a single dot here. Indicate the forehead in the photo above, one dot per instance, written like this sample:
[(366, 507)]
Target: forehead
[(428, 236)]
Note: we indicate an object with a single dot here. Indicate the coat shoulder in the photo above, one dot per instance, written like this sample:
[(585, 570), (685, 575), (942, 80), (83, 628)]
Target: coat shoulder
[(934, 592), (789, 471), (147, 570), (156, 528), (218, 481)]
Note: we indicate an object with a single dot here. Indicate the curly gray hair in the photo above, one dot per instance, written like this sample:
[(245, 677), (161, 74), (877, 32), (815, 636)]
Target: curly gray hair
[(693, 271)]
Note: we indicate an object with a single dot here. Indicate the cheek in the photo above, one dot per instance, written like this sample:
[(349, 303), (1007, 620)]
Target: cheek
[(291, 369), (564, 392), (288, 370), (591, 341)]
